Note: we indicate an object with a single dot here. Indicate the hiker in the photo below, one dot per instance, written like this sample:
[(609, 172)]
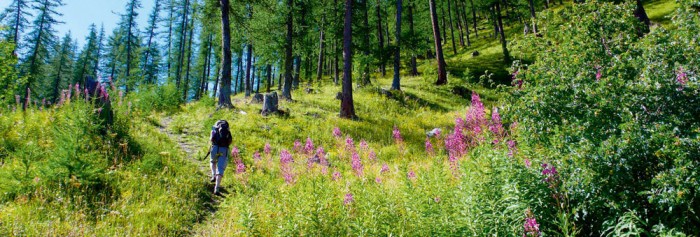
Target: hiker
[(220, 141)]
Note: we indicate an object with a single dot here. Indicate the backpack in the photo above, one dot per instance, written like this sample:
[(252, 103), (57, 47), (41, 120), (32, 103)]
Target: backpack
[(222, 134)]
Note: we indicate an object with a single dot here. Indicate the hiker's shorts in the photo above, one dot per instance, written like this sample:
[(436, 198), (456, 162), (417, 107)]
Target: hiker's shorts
[(219, 156)]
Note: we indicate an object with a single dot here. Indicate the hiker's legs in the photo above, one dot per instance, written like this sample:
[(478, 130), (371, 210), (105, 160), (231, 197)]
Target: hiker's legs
[(220, 166)]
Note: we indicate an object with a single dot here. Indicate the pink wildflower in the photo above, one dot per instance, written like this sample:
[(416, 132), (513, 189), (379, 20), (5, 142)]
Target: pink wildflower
[(240, 167), (496, 126), (530, 226), (337, 133), (598, 73), (429, 147), (309, 146), (363, 145), (336, 175), (357, 164), (511, 147), (267, 149), (527, 163), (349, 199), (349, 144), (397, 135), (297, 146), (411, 175), (372, 156), (681, 78), (385, 168), (256, 156), (235, 153), (377, 180)]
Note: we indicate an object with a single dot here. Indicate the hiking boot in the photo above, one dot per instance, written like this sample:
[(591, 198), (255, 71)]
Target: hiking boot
[(217, 193), (213, 179)]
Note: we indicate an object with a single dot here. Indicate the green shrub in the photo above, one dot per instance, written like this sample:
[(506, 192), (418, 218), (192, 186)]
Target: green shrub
[(618, 112)]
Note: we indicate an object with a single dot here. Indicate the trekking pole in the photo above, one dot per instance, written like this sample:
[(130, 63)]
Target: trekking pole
[(208, 152)]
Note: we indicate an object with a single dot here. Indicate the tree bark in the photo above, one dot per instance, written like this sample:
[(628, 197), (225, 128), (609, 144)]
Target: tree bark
[(321, 48), (269, 77), (466, 21), (183, 38), (476, 31), (414, 63), (287, 91), (506, 54), (442, 75), (249, 63), (452, 31), (396, 84), (532, 16), (189, 60), (380, 36), (641, 14), (458, 21), (225, 93), (347, 106), (365, 77), (128, 46)]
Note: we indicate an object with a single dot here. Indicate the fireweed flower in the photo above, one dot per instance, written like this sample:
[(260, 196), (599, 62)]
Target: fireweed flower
[(285, 161), (322, 160), (297, 146), (256, 156), (121, 97), (511, 147), (385, 168), (496, 126), (309, 147), (349, 144), (234, 152), (240, 167), (357, 164), (397, 135), (479, 112), (429, 147), (268, 149), (681, 78), (550, 174), (530, 226), (598, 73), (411, 175), (337, 133), (349, 199), (377, 180), (372, 156), (363, 145), (455, 144), (527, 163), (454, 165), (336, 175)]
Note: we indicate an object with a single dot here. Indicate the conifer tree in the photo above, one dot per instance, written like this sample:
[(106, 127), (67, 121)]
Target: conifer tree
[(16, 17), (61, 65), (150, 62), (88, 57), (132, 42)]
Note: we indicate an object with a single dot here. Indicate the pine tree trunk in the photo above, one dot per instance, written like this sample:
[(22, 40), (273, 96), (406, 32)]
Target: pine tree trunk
[(287, 91), (506, 54), (476, 31), (170, 40), (458, 21), (533, 18), (462, 7), (452, 31), (151, 34), (365, 77), (396, 84), (189, 61), (442, 75), (249, 60), (225, 94), (380, 36), (128, 47), (414, 63), (269, 77), (347, 106), (444, 25), (183, 38), (321, 48)]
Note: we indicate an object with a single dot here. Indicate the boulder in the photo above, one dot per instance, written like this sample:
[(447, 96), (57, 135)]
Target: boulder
[(434, 132), (270, 104), (257, 98), (475, 53)]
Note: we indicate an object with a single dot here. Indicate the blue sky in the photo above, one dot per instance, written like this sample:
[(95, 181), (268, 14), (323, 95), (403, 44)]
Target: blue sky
[(79, 14)]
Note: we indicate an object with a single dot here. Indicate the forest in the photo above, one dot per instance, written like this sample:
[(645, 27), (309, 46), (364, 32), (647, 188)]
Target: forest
[(353, 118)]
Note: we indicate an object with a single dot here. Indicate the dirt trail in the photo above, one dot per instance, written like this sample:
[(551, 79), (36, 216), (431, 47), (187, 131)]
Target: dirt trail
[(212, 204)]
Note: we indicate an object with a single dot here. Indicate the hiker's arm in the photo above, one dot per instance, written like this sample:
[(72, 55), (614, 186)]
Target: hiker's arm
[(211, 136)]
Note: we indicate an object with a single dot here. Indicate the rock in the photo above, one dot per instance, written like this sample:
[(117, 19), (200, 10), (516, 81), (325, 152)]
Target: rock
[(270, 104), (257, 98), (243, 112), (434, 132), (475, 53), (339, 96), (309, 91)]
